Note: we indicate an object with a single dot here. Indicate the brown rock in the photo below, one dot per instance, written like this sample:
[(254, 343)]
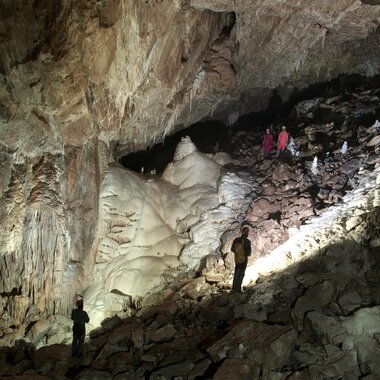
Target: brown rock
[(260, 207), (120, 362), (242, 369), (163, 334), (246, 336), (283, 173)]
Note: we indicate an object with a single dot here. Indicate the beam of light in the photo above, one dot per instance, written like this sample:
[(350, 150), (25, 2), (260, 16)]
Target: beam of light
[(313, 237)]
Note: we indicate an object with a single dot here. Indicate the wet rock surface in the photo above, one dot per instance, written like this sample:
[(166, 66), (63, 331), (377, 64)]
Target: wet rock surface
[(317, 318)]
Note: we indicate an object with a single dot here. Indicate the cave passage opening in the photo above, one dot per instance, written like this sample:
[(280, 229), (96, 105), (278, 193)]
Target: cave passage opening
[(279, 112), (208, 137), (214, 136)]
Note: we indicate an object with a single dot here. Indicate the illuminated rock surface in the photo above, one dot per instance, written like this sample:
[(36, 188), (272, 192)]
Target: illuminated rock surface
[(83, 83)]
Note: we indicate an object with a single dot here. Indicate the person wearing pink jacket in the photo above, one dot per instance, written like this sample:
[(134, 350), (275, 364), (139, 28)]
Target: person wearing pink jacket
[(267, 143), (283, 138)]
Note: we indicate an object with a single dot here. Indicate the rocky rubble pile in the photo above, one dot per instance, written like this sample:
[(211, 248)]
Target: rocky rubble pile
[(290, 191)]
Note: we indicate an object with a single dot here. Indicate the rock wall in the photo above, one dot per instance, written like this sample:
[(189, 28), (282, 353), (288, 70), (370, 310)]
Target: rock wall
[(83, 81), (114, 70)]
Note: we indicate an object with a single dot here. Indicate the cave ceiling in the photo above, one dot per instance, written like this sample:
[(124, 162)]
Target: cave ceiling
[(135, 71)]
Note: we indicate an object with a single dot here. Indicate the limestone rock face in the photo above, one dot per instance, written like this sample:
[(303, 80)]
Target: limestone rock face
[(82, 82), (133, 71)]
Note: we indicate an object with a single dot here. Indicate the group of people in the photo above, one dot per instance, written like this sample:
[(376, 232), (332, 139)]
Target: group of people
[(80, 317), (282, 142), (241, 265)]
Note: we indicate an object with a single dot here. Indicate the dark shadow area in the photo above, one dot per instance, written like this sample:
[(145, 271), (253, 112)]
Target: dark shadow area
[(12, 293), (263, 119), (334, 87), (231, 20), (324, 278), (208, 137), (275, 216), (279, 112)]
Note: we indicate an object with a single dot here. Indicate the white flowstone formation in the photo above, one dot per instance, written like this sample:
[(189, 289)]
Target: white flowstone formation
[(344, 148), (314, 166), (291, 147), (149, 225)]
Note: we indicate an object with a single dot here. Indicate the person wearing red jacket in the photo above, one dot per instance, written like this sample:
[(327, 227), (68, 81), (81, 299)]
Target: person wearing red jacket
[(283, 138), (267, 143)]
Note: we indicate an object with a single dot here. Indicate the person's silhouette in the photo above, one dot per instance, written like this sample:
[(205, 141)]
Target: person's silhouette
[(241, 266), (80, 318)]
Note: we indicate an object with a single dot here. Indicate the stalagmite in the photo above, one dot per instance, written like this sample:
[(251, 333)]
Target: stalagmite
[(344, 148), (314, 166)]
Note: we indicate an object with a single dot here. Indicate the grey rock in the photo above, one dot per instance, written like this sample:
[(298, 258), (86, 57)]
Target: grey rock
[(315, 298), (349, 302), (247, 336), (199, 369), (324, 329)]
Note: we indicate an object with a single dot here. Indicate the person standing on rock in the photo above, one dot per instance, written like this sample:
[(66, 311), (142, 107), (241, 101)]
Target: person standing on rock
[(241, 247), (80, 318), (283, 138), (267, 143)]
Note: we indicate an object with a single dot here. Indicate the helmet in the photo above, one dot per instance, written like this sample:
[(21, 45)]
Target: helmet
[(79, 303)]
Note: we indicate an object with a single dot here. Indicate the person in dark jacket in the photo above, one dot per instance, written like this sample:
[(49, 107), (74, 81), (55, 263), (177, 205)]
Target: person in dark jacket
[(80, 318), (241, 267)]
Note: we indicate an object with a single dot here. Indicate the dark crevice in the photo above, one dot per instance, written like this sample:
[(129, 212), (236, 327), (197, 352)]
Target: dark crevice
[(208, 138), (230, 23), (29, 327), (214, 136), (211, 370), (284, 112), (275, 216), (371, 2), (14, 292)]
